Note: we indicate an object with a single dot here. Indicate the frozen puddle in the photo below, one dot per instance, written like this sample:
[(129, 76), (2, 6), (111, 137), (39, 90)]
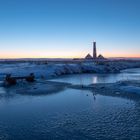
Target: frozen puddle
[(86, 79), (36, 88), (71, 114)]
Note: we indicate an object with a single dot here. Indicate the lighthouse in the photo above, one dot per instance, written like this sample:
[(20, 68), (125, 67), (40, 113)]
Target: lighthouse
[(94, 50), (94, 56)]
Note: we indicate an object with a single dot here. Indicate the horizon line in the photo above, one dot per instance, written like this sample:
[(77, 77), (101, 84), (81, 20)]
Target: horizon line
[(65, 57)]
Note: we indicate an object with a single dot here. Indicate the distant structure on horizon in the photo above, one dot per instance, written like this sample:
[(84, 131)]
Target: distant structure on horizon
[(94, 50), (88, 56), (94, 57)]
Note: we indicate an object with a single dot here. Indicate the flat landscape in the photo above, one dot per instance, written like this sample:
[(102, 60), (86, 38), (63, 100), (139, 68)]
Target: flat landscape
[(74, 98)]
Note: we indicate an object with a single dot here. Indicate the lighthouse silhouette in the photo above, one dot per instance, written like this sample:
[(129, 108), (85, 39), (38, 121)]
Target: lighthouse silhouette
[(94, 50)]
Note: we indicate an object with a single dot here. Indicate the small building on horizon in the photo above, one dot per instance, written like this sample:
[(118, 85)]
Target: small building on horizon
[(88, 56), (100, 56)]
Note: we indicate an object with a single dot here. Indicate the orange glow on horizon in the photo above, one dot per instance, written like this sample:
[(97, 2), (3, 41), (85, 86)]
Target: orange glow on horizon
[(64, 56), (122, 55)]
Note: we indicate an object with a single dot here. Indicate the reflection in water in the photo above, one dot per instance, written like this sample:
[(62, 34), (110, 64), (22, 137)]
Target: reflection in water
[(95, 79), (99, 78), (94, 97)]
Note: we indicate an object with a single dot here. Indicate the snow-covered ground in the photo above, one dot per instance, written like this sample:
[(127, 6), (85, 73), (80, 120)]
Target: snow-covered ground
[(95, 111), (46, 71), (52, 69), (124, 89)]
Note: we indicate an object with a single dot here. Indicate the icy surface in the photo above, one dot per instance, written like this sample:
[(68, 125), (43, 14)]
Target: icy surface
[(131, 89), (103, 111), (70, 114), (53, 70), (86, 79)]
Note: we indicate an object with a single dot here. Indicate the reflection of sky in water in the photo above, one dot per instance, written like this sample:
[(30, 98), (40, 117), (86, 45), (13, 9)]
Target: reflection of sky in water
[(95, 79), (133, 74)]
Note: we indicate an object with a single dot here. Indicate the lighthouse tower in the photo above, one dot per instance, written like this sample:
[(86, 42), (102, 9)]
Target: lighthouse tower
[(94, 50)]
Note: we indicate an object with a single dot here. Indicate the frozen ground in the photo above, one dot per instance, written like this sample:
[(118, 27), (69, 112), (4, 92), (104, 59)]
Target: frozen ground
[(126, 89), (45, 71), (123, 88), (40, 87), (53, 69), (95, 111), (98, 111)]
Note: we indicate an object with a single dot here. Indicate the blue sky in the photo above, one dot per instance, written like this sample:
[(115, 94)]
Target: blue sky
[(66, 28)]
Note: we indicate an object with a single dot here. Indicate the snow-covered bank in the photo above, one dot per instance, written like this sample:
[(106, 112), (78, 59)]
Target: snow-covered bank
[(125, 89), (41, 87), (52, 70)]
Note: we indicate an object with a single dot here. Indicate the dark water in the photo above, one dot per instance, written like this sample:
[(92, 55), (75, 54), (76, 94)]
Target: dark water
[(69, 114)]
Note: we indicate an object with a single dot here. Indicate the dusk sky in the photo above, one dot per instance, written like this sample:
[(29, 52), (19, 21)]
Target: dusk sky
[(66, 28)]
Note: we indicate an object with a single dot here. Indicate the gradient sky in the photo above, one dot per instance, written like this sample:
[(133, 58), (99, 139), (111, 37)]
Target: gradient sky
[(66, 28)]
